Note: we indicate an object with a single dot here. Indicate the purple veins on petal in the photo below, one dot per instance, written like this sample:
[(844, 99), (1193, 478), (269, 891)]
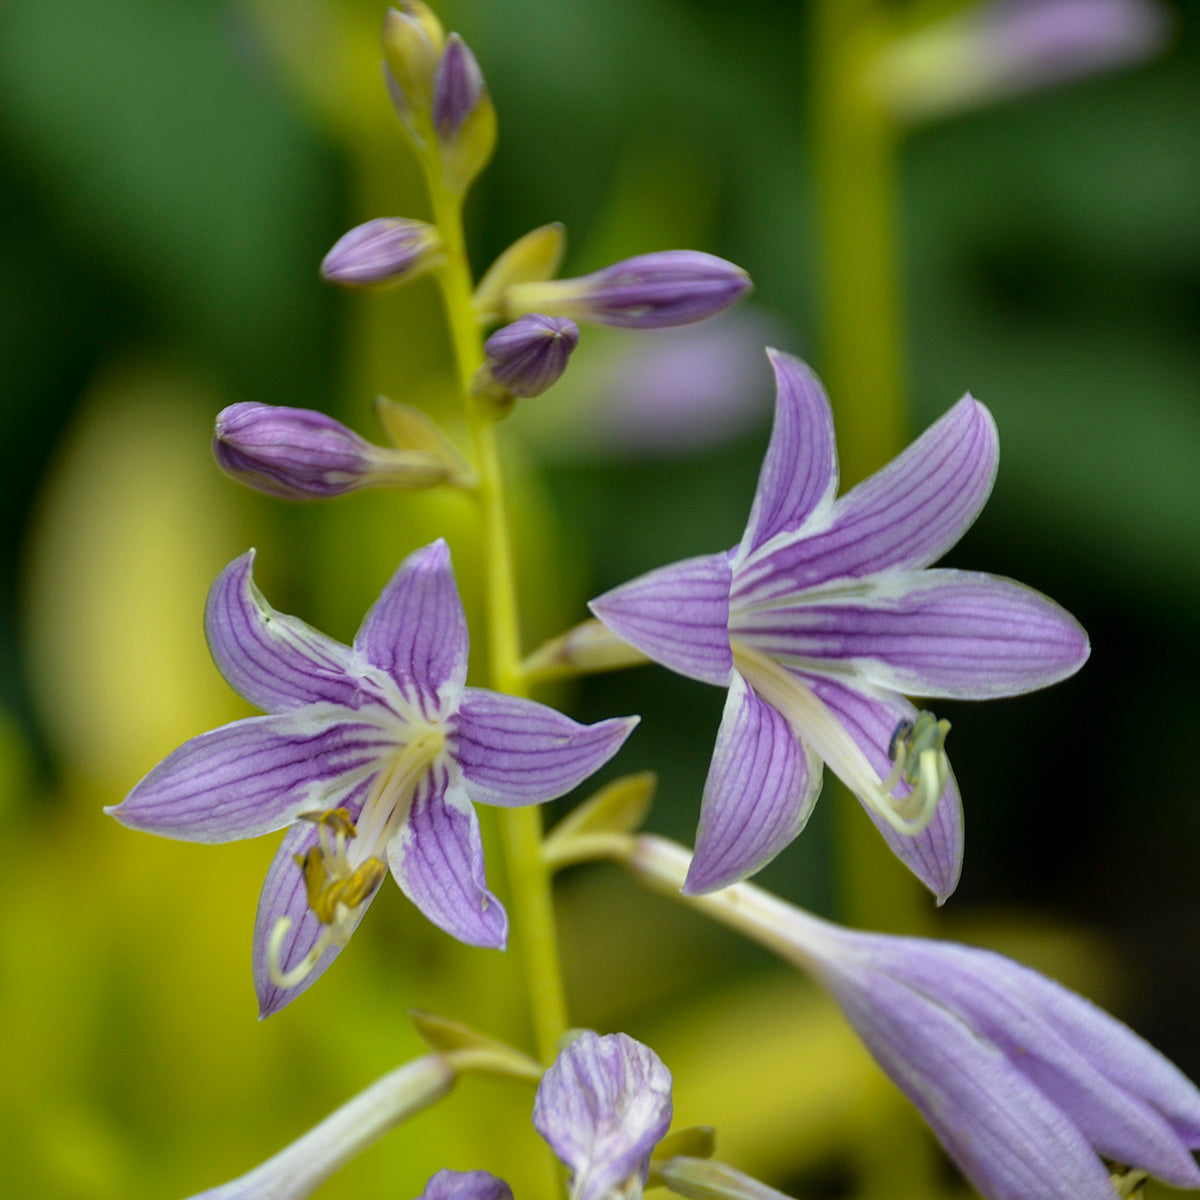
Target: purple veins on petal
[(529, 355), (383, 250)]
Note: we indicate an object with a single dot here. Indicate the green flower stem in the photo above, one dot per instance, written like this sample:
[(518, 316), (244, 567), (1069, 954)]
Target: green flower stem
[(530, 898), (855, 148)]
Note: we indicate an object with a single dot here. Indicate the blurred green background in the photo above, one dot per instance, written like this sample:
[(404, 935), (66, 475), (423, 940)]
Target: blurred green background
[(171, 173)]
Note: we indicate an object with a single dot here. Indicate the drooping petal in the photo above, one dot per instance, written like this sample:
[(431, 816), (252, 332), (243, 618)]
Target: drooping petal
[(678, 615), (255, 776), (799, 473), (1066, 1046), (904, 516), (870, 717), (417, 631), (603, 1106), (275, 661), (1008, 1137), (284, 895), (514, 751), (465, 1185), (437, 859), (760, 791), (957, 634)]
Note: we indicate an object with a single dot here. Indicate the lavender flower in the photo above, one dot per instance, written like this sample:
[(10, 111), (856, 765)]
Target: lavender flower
[(671, 287), (465, 1185), (823, 617), (603, 1106), (373, 757), (530, 355), (385, 250), (457, 88)]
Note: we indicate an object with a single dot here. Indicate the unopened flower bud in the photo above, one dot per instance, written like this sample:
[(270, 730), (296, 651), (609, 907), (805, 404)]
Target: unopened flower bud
[(530, 355), (671, 287), (385, 250), (299, 454), (463, 115), (412, 43)]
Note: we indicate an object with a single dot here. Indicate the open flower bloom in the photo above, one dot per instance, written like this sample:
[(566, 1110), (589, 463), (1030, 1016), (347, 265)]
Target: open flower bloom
[(373, 756), (603, 1106), (820, 622)]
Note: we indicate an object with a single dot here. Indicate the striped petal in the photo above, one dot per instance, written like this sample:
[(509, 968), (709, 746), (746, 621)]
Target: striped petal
[(957, 634), (760, 791), (870, 717), (514, 751), (417, 631), (677, 615), (799, 473), (255, 776), (904, 516), (437, 859), (276, 662)]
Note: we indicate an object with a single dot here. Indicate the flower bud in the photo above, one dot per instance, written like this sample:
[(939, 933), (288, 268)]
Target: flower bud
[(298, 454), (671, 287), (530, 355), (412, 42), (385, 250), (463, 115)]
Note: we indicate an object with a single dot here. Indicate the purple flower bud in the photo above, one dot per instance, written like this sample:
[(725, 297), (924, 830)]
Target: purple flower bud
[(457, 87), (465, 1185), (671, 287), (298, 454), (385, 250), (529, 355)]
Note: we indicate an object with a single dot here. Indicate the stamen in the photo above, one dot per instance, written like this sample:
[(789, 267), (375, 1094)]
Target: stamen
[(918, 750), (337, 819)]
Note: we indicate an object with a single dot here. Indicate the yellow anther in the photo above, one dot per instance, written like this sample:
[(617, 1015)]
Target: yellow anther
[(337, 819), (918, 748)]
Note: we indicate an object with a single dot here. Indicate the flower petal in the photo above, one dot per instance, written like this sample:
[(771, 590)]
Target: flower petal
[(760, 791), (870, 717), (275, 661), (904, 516), (514, 751), (958, 634), (800, 472), (437, 859), (465, 1185), (678, 615), (255, 776), (417, 630), (1008, 1137), (603, 1106), (284, 895)]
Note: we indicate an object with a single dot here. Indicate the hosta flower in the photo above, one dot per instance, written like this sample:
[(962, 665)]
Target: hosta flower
[(371, 758), (820, 622), (465, 1185), (603, 1107)]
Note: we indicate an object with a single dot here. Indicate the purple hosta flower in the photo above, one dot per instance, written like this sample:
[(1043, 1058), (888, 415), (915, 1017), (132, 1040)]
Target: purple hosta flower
[(671, 287), (385, 250), (530, 355), (820, 622), (299, 454), (999, 48), (465, 1185), (372, 756), (603, 1107), (457, 88)]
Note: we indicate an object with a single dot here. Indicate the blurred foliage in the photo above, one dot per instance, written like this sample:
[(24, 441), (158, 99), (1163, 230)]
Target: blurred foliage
[(171, 172)]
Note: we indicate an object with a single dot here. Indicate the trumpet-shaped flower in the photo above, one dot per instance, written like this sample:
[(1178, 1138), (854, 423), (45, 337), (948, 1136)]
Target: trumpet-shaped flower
[(824, 618), (603, 1106), (371, 758)]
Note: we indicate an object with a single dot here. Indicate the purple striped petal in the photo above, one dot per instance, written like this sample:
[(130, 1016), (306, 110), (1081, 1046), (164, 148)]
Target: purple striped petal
[(678, 615), (514, 751), (1008, 1137), (275, 661), (904, 516), (284, 895), (799, 474), (416, 630), (934, 855), (958, 634), (759, 794), (437, 859), (254, 776), (603, 1106)]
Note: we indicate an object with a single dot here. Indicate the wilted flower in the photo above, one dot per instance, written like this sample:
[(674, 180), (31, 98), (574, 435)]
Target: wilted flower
[(603, 1106), (530, 355), (373, 757), (385, 250), (820, 621)]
